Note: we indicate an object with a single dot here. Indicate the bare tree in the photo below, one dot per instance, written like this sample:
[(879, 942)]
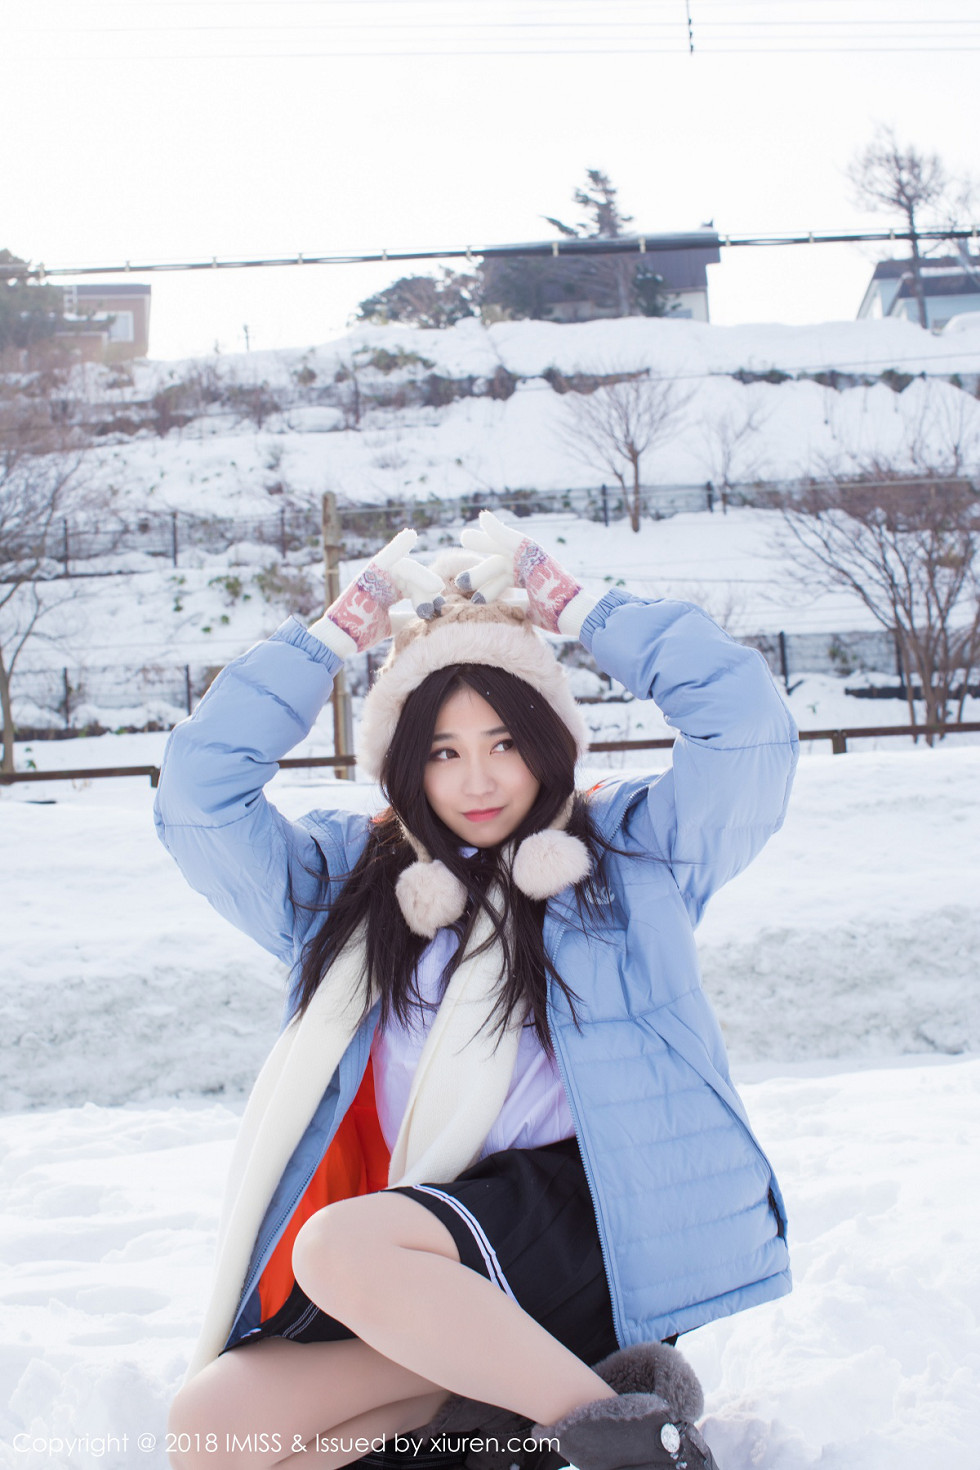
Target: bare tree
[(892, 179), (909, 547), (35, 493), (612, 428), (728, 445)]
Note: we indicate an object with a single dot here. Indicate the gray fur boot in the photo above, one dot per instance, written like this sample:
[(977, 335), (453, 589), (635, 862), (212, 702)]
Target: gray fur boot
[(648, 1426), (650, 1370)]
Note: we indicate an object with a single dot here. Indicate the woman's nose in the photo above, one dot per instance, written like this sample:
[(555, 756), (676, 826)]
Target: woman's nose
[(478, 776)]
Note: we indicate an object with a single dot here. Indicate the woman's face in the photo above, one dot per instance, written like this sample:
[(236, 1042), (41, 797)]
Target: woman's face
[(475, 780)]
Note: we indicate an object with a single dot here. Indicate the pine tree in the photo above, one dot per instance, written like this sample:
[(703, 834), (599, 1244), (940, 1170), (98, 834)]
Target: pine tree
[(605, 221), (28, 312), (424, 301)]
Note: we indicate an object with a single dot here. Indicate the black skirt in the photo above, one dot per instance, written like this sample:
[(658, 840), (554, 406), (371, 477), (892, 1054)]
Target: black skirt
[(523, 1218)]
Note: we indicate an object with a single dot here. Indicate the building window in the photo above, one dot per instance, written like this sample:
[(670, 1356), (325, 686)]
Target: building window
[(121, 327)]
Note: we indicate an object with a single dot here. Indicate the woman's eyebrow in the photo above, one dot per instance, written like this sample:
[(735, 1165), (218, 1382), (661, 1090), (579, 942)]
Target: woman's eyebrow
[(451, 734)]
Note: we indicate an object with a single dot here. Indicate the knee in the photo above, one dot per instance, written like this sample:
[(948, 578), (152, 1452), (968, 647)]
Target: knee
[(331, 1254)]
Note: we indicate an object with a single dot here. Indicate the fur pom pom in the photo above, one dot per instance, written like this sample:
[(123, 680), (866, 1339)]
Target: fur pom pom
[(548, 861), (430, 897)]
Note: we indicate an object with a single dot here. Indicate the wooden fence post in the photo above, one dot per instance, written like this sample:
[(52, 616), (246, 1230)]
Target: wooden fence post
[(343, 741), (784, 661)]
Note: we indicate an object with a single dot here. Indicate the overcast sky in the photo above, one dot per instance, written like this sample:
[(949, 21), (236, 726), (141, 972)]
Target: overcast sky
[(176, 129)]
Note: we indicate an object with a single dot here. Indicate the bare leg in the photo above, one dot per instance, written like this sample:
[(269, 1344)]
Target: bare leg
[(347, 1442), (288, 1393), (387, 1268)]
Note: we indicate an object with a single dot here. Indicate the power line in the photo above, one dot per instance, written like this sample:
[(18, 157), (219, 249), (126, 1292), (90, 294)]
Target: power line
[(654, 27), (778, 27), (624, 245), (586, 49)]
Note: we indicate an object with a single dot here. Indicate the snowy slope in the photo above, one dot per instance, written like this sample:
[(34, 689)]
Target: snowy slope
[(221, 461), (150, 618)]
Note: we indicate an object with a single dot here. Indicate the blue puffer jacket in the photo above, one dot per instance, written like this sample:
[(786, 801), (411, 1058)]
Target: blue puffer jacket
[(690, 1217)]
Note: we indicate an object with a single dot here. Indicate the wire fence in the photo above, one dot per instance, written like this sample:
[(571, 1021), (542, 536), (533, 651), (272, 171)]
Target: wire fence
[(74, 545), (80, 547), (83, 695), (86, 698)]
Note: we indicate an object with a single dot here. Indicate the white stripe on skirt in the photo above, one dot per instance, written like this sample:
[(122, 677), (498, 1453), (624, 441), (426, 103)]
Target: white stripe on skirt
[(486, 1249)]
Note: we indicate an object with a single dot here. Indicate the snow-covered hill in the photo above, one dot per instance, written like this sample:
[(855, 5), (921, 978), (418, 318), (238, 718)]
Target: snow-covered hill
[(347, 416), (254, 434)]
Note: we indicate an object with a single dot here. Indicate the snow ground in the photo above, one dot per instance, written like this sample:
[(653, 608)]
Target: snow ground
[(842, 963), (843, 967), (852, 935), (871, 1364)]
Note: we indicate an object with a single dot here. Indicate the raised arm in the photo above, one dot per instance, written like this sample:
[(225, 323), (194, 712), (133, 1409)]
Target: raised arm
[(252, 864), (736, 749)]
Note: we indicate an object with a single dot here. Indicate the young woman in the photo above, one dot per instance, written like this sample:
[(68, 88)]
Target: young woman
[(495, 1158)]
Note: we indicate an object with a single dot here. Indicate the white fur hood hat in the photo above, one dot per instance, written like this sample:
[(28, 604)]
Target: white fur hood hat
[(499, 633)]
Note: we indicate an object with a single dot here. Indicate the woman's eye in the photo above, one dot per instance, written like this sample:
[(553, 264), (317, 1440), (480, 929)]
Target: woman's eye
[(507, 744), (444, 750)]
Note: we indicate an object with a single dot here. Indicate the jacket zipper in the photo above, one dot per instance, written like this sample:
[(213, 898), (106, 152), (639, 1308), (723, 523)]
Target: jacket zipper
[(256, 1272), (587, 1167), (589, 1178)]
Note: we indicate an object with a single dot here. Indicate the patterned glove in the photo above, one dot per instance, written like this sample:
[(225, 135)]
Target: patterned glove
[(359, 617), (557, 602)]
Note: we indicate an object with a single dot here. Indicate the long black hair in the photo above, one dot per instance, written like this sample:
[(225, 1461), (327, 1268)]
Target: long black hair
[(393, 950)]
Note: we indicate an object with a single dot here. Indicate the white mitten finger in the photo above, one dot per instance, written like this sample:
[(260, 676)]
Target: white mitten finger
[(505, 537), (475, 579), (399, 547), (421, 585), (479, 542), (495, 587)]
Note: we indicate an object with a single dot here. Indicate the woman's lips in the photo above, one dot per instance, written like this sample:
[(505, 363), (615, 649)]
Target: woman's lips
[(484, 816)]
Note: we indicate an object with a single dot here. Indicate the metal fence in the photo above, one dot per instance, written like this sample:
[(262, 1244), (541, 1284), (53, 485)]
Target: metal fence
[(85, 696), (74, 545)]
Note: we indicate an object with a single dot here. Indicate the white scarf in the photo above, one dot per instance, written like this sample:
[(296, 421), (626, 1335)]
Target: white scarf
[(461, 1082)]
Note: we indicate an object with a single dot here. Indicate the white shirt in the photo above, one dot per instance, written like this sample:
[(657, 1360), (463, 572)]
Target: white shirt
[(535, 1110)]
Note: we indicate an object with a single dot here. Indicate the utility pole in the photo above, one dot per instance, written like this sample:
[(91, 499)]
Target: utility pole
[(343, 732)]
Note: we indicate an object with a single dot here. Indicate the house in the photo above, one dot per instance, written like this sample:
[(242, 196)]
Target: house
[(586, 280), (950, 284), (106, 323)]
